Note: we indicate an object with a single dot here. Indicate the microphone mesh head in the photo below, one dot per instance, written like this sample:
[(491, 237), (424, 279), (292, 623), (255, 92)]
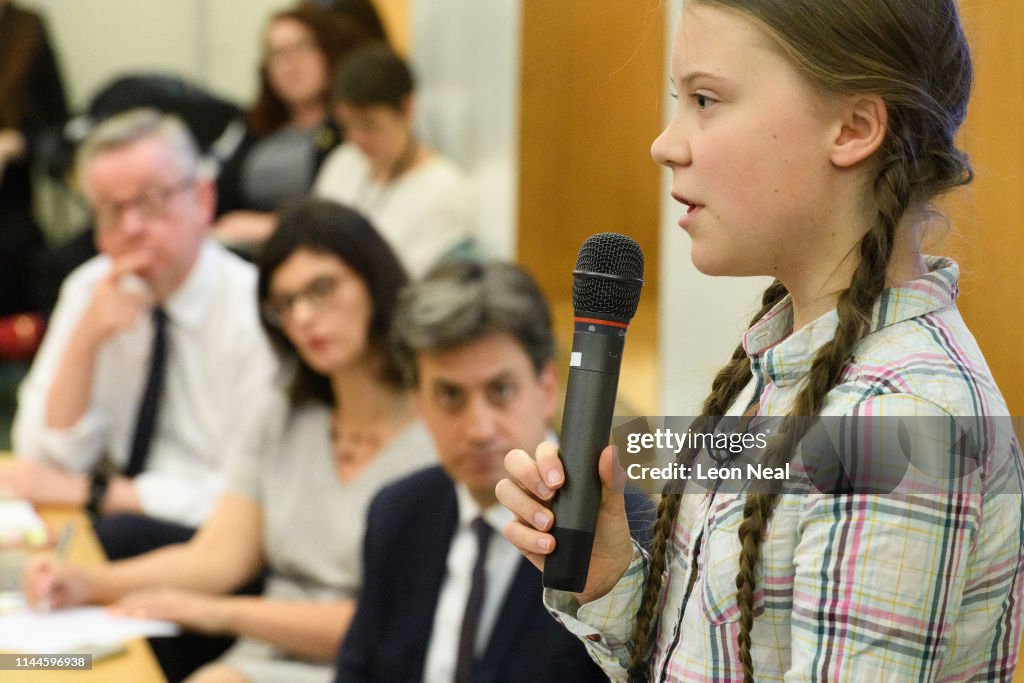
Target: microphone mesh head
[(609, 275)]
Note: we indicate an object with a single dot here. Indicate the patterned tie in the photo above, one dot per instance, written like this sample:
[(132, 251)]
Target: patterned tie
[(145, 420), (475, 604)]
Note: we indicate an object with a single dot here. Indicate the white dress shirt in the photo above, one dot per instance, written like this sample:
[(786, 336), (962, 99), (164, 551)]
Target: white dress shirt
[(500, 568), (218, 362)]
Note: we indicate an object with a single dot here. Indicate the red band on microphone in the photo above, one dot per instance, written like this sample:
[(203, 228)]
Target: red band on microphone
[(595, 321)]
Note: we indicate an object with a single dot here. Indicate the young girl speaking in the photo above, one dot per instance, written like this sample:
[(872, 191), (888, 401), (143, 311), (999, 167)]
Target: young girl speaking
[(808, 139)]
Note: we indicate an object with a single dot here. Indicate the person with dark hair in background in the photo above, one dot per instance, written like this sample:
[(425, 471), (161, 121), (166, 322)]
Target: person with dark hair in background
[(31, 98), (808, 142), (365, 21), (290, 127), (445, 597), (300, 481), (419, 200), (152, 352)]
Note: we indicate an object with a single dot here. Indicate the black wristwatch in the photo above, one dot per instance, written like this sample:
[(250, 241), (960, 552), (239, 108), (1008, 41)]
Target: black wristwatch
[(97, 490)]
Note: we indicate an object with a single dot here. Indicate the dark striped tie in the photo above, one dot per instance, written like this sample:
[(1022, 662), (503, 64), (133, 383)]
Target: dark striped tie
[(475, 604)]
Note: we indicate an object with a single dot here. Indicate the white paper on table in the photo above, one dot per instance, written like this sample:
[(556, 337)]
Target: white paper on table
[(77, 628)]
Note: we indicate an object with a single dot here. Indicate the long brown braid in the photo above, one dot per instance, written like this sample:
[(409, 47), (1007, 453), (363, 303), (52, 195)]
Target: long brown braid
[(854, 308), (727, 385), (922, 70)]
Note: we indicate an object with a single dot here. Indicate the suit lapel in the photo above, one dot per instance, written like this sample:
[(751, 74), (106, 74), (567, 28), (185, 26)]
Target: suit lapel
[(429, 546), (522, 599)]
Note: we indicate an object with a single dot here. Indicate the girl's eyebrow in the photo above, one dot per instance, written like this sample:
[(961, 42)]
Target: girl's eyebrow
[(698, 75)]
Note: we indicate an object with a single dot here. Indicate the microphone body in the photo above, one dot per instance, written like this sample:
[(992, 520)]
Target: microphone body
[(586, 423), (598, 341)]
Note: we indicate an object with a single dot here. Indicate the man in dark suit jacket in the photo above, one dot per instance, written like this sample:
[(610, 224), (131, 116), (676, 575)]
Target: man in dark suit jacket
[(477, 345)]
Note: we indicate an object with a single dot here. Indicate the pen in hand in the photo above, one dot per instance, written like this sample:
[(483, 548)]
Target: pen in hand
[(64, 541), (67, 533)]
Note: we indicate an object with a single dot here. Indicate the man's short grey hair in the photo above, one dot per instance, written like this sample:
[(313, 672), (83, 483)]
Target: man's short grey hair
[(131, 126), (461, 301)]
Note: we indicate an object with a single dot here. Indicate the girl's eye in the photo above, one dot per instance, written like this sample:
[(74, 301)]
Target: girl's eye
[(702, 100)]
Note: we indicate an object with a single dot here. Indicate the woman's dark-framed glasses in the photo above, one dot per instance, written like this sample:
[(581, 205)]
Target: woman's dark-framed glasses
[(278, 308)]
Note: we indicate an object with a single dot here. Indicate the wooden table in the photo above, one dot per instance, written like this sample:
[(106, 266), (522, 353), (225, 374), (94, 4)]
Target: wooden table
[(138, 664)]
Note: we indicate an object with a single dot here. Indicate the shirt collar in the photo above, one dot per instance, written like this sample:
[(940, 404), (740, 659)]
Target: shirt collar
[(188, 304), (782, 358), (497, 515)]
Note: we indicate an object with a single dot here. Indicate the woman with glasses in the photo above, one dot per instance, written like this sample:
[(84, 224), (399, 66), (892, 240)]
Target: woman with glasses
[(298, 490), (289, 129)]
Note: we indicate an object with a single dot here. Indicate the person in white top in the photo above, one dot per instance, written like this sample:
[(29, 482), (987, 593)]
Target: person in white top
[(419, 200), (79, 407)]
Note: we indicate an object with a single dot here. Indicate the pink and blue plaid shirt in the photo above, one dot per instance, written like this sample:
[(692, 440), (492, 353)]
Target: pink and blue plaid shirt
[(856, 587)]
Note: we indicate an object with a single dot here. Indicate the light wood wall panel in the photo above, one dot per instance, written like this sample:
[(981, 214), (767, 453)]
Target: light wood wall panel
[(592, 82), (987, 236), (395, 15)]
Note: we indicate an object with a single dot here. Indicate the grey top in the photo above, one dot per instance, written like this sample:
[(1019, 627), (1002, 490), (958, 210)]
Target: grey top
[(279, 168), (313, 523)]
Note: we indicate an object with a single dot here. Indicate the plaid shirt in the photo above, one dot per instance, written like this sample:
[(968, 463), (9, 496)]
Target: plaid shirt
[(857, 587)]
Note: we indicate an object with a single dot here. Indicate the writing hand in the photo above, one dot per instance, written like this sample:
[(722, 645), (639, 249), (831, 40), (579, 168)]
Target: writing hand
[(50, 584)]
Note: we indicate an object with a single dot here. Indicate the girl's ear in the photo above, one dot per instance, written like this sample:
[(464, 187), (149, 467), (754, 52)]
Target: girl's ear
[(865, 120)]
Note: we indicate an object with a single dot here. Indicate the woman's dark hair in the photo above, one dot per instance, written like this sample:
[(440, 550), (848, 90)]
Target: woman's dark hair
[(363, 17), (25, 36), (373, 75), (336, 32), (324, 227)]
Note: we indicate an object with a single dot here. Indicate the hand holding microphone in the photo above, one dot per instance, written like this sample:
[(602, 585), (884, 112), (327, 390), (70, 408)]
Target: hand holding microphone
[(606, 291), (529, 493)]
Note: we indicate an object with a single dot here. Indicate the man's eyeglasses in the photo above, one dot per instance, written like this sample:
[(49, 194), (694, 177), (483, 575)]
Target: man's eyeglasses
[(151, 203), (278, 308)]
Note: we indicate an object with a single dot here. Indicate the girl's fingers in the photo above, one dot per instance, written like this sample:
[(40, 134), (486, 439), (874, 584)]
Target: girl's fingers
[(532, 543), (525, 472), (550, 465), (523, 505)]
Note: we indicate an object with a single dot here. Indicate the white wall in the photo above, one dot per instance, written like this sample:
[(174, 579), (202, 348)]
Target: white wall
[(216, 43), (466, 56), (701, 318)]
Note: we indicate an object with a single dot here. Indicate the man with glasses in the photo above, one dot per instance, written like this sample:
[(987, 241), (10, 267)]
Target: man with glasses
[(153, 352)]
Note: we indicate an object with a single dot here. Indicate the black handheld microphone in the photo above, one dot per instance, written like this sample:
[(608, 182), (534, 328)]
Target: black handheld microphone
[(605, 292)]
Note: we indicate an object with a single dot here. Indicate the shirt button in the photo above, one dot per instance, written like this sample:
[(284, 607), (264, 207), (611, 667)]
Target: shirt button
[(594, 637)]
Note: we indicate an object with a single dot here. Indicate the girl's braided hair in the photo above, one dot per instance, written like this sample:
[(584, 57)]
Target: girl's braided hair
[(914, 55)]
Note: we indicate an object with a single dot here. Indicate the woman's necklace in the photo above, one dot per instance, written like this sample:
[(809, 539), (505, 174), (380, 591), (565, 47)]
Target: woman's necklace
[(354, 447)]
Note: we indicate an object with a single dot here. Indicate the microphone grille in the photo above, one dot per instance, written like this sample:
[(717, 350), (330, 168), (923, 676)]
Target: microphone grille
[(609, 275)]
